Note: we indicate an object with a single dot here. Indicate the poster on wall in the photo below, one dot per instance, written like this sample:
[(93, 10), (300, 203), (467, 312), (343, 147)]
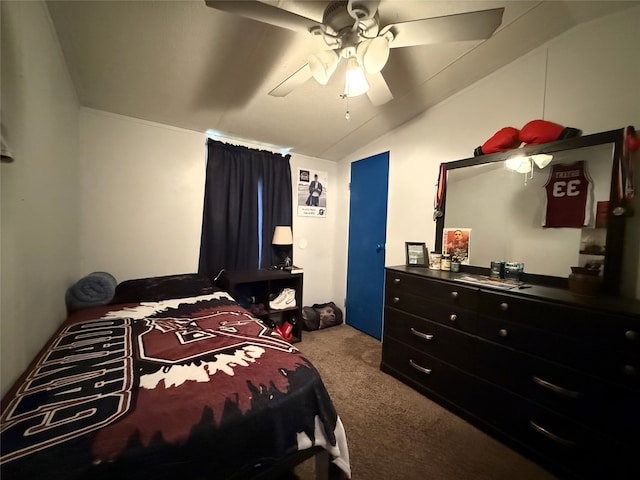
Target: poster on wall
[(457, 242), (312, 193)]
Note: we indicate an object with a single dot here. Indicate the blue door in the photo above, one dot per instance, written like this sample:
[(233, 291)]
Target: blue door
[(367, 237)]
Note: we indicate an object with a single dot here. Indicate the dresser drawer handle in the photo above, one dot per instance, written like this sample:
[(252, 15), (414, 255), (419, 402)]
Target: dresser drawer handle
[(419, 368), (555, 388), (503, 332), (454, 294), (396, 299), (453, 317), (417, 333), (504, 306), (552, 436), (632, 335), (629, 370), (396, 281)]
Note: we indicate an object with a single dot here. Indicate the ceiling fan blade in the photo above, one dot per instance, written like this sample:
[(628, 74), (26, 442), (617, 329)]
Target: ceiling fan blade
[(265, 13), (378, 92), (292, 82), (478, 25)]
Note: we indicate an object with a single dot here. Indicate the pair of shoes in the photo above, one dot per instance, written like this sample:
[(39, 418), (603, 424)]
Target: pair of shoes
[(285, 331), (285, 299)]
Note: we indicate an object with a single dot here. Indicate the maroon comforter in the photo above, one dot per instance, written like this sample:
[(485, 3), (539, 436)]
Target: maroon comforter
[(187, 388)]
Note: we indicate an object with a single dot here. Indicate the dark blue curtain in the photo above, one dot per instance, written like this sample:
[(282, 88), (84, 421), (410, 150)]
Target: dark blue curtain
[(236, 232)]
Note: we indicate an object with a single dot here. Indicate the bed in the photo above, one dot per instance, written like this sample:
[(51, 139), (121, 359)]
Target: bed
[(172, 380)]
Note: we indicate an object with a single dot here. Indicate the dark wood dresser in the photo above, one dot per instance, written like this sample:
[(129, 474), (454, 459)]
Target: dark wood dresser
[(554, 375)]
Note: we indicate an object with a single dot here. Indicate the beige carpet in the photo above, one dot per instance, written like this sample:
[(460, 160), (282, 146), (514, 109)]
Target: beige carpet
[(394, 432)]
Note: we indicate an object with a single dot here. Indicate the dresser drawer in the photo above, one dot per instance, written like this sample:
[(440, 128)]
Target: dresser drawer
[(573, 450), (437, 340), (562, 320), (612, 365), (434, 378), (588, 325), (441, 292), (598, 404), (450, 315)]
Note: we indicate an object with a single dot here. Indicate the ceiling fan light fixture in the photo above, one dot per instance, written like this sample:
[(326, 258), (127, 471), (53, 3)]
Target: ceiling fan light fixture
[(323, 64), (525, 166), (522, 164), (542, 159), (355, 82), (518, 164), (373, 54)]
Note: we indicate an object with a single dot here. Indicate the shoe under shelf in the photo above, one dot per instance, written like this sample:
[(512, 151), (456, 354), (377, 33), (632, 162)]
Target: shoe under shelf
[(260, 287)]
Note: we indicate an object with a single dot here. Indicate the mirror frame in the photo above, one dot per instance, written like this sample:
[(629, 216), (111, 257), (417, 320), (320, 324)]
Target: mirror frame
[(615, 223)]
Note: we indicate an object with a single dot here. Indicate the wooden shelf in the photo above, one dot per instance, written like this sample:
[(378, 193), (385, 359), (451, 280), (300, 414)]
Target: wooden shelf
[(256, 287)]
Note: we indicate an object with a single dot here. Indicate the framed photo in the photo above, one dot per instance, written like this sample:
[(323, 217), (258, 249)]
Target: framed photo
[(457, 243), (416, 253)]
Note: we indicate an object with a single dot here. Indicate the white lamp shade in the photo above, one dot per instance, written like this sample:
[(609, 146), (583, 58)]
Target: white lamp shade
[(373, 54), (322, 65), (282, 235), (355, 82)]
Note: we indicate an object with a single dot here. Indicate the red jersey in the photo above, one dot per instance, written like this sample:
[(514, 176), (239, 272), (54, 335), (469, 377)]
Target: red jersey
[(569, 196)]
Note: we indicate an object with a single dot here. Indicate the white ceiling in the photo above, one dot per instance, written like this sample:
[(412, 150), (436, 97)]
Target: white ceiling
[(184, 64)]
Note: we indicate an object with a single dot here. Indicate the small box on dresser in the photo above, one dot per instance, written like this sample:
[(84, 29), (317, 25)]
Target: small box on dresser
[(551, 374)]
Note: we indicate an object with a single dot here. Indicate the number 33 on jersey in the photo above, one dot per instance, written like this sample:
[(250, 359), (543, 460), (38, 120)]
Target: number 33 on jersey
[(569, 196)]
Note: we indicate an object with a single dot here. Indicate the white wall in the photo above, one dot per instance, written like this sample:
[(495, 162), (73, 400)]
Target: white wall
[(142, 188), (142, 198), (592, 83), (40, 195), (313, 237)]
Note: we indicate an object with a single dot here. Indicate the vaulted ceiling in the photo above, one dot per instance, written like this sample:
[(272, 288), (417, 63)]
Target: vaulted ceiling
[(184, 64)]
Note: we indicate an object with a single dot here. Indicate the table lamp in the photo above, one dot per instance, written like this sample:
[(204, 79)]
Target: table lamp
[(282, 241)]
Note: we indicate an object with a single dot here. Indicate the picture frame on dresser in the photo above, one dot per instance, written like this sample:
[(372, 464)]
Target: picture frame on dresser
[(416, 254)]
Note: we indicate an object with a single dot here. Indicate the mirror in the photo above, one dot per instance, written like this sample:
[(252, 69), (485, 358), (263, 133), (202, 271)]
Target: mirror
[(505, 208)]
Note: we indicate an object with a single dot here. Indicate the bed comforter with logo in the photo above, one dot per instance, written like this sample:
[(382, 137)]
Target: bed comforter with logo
[(176, 389)]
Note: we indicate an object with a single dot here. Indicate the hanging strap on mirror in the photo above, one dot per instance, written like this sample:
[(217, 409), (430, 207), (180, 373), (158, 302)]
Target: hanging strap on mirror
[(441, 187), (630, 147)]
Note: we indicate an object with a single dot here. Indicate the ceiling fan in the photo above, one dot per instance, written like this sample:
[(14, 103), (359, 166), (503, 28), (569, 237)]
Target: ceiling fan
[(352, 31)]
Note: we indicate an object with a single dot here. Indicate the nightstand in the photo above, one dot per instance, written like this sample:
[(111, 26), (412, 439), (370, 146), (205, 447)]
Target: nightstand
[(253, 287)]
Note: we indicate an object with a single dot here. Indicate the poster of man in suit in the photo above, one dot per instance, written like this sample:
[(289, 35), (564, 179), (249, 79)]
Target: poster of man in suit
[(312, 193)]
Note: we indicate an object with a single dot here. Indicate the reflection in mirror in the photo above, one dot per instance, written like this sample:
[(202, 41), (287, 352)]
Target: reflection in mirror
[(505, 209)]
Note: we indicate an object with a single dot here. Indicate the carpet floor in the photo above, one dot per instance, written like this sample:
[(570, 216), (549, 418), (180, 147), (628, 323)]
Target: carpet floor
[(394, 432)]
